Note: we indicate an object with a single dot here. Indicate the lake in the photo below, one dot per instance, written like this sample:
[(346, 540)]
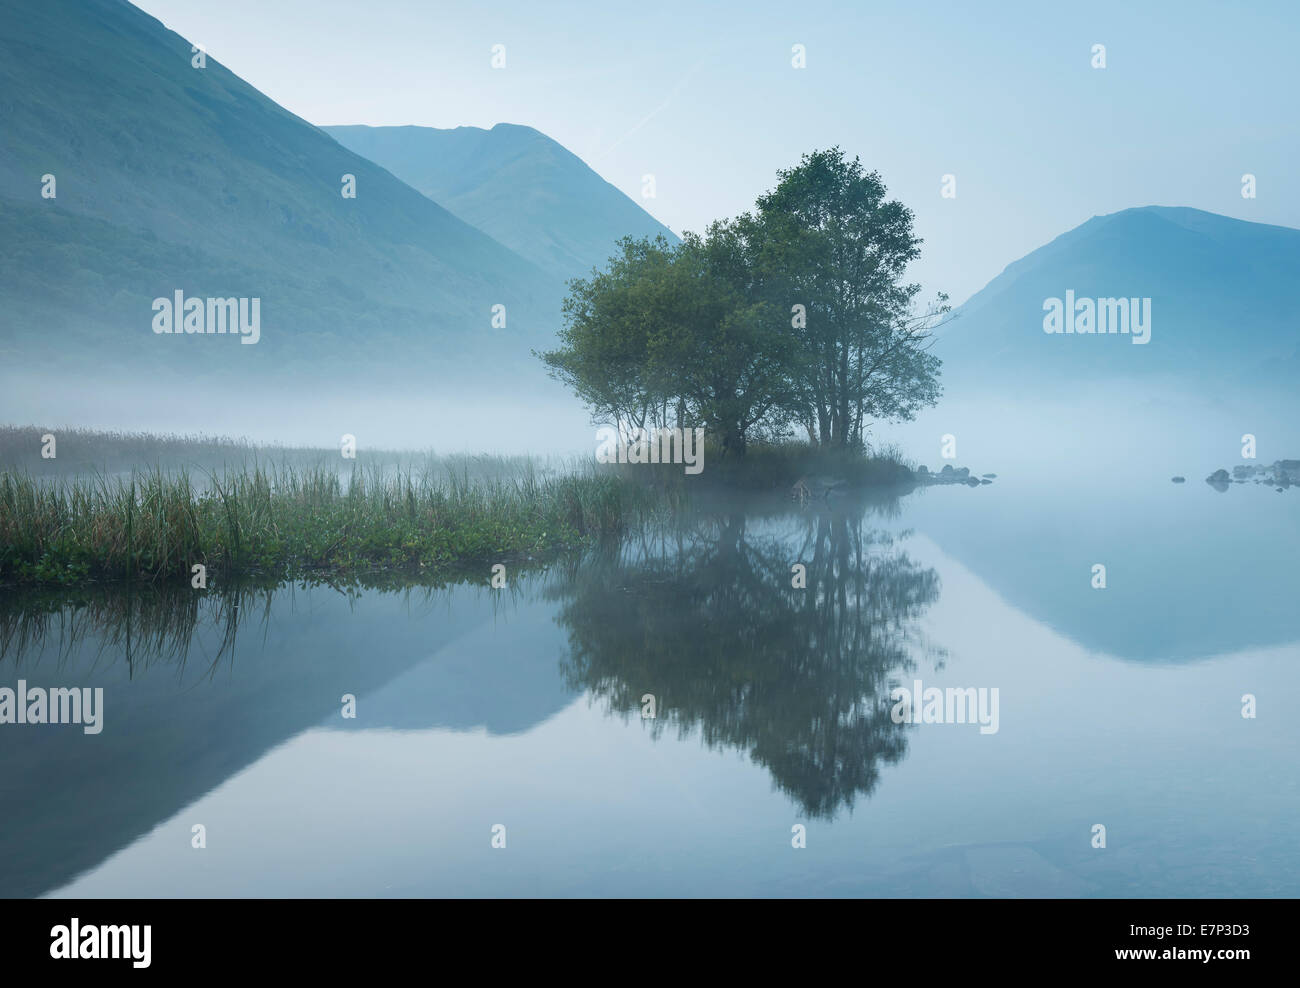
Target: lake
[(520, 716)]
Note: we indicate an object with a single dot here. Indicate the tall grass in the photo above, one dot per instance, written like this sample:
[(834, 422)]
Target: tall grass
[(286, 522), (82, 451)]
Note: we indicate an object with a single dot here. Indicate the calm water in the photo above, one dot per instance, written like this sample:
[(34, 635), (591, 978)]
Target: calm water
[(523, 708)]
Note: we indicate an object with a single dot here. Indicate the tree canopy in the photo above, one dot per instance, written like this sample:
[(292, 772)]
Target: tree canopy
[(795, 314)]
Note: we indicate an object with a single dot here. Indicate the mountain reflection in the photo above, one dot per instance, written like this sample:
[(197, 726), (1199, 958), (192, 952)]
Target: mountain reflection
[(706, 620)]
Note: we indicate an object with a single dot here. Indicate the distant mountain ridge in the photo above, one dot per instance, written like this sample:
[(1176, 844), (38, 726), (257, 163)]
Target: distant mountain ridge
[(1221, 295), (175, 177), (515, 184)]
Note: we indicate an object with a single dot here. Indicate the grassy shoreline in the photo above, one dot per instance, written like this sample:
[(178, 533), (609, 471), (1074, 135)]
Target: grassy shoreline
[(286, 523), (415, 515)]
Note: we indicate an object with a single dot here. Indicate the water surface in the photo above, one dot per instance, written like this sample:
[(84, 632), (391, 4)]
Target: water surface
[(524, 708)]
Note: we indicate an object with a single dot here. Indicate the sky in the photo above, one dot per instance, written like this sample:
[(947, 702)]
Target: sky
[(705, 98)]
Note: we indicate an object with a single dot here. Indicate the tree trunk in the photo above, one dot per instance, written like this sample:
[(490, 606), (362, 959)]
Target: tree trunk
[(734, 442)]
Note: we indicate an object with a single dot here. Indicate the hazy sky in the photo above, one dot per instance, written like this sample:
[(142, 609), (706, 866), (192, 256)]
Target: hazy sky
[(705, 98)]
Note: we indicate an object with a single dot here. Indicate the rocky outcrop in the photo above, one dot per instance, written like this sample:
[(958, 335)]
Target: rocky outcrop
[(1280, 474)]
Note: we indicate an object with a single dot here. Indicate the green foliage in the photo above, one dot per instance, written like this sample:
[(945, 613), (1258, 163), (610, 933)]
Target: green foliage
[(671, 333), (796, 314), (832, 242), (289, 523)]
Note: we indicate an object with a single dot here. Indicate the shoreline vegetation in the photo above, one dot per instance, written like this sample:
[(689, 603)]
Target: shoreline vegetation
[(288, 522), (245, 511), (795, 316)]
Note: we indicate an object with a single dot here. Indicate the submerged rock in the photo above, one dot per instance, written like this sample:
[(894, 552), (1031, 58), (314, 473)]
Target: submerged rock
[(1180, 480)]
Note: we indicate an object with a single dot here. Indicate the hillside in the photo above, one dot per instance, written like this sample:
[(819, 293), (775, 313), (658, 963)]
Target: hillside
[(515, 184), (1221, 307), (172, 177)]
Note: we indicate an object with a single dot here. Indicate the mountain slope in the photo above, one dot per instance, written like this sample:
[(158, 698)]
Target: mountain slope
[(514, 183), (1221, 305), (176, 177)]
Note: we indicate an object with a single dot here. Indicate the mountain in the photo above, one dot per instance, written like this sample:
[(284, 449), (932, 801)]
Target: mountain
[(1222, 305), (515, 184), (176, 177)]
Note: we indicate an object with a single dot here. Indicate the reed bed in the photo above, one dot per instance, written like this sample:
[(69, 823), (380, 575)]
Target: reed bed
[(287, 522)]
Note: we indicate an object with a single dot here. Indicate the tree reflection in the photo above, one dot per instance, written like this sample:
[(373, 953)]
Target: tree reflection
[(706, 620)]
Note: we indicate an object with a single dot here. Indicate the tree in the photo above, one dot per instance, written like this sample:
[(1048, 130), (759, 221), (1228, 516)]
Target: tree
[(829, 240), (675, 335), (605, 343), (731, 352), (701, 333)]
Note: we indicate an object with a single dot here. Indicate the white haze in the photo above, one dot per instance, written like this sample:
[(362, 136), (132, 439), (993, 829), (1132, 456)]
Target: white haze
[(1119, 429)]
